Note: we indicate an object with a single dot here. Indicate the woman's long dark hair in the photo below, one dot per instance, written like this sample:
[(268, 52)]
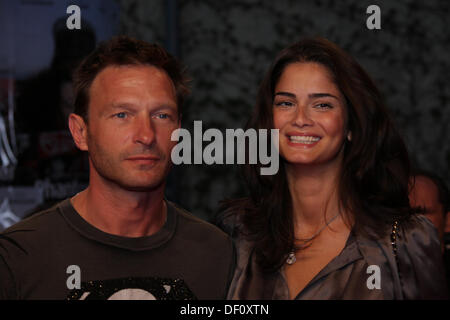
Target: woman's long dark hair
[(373, 186)]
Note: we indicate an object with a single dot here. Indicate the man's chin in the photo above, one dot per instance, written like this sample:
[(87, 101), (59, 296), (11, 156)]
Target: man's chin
[(136, 182), (145, 187), (148, 185)]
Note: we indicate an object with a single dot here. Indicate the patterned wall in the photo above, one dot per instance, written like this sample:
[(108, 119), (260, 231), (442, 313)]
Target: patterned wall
[(227, 46)]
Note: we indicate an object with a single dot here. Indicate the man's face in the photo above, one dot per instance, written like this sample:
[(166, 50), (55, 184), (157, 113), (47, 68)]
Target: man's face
[(425, 194), (131, 116)]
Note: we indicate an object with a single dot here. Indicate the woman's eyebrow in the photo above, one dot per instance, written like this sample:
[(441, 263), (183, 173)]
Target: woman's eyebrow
[(321, 95), (287, 94), (310, 96)]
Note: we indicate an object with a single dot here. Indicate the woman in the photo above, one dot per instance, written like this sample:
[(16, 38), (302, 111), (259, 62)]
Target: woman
[(335, 221)]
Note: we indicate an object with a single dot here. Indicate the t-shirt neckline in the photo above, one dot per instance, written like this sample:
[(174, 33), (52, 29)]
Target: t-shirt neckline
[(86, 229)]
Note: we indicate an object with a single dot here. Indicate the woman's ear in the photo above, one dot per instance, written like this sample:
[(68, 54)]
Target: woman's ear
[(349, 136), (78, 129)]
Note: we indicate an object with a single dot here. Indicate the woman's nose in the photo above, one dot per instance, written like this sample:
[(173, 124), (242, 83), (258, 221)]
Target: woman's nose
[(302, 117)]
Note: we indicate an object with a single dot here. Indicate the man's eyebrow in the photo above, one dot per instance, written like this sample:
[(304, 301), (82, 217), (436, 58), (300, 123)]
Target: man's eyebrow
[(120, 105), (130, 107), (113, 106), (166, 107)]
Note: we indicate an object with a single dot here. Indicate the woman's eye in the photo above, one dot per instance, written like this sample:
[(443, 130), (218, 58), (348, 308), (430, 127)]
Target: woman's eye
[(323, 106), (284, 104)]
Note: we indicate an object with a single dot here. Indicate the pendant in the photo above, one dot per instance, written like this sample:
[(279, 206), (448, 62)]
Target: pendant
[(291, 258)]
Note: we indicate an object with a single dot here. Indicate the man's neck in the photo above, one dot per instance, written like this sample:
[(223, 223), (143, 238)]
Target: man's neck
[(122, 212)]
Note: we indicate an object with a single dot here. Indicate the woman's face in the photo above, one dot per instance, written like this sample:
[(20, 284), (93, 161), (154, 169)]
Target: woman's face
[(310, 112)]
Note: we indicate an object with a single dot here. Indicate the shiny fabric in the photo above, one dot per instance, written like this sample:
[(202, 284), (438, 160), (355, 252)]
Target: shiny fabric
[(420, 262)]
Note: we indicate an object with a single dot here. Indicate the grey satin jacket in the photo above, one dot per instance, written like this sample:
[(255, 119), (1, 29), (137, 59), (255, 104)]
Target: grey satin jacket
[(417, 273)]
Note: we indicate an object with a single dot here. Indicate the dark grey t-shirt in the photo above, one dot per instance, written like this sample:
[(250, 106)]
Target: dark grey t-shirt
[(42, 256)]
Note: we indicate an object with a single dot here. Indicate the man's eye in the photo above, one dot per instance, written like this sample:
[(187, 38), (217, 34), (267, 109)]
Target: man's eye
[(162, 115), (121, 115)]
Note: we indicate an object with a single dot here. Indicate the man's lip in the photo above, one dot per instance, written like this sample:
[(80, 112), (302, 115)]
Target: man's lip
[(148, 158)]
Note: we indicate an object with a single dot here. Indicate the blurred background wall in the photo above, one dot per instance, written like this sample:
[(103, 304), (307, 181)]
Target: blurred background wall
[(227, 47)]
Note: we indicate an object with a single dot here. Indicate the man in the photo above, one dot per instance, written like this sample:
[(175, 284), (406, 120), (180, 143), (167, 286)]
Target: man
[(430, 193), (119, 238)]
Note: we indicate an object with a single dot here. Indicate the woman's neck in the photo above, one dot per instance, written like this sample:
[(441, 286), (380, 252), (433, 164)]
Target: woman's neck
[(314, 195)]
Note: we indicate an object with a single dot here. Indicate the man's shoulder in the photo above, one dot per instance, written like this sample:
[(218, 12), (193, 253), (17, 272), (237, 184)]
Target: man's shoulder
[(197, 227), (34, 221), (30, 231)]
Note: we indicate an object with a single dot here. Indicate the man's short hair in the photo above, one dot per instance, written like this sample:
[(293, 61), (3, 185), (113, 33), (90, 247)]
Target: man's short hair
[(126, 51), (440, 184)]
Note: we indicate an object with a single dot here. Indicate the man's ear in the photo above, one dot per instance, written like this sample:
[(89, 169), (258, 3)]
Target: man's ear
[(179, 120), (78, 129)]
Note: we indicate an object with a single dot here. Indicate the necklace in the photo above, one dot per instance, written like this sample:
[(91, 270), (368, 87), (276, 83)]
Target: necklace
[(291, 259)]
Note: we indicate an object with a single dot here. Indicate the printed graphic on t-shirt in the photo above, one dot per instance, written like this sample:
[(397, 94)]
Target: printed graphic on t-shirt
[(133, 289)]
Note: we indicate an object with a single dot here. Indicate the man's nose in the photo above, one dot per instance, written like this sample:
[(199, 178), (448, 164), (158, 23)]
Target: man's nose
[(145, 131)]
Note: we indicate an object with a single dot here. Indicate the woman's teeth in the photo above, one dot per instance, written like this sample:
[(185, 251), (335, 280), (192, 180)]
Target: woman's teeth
[(304, 139)]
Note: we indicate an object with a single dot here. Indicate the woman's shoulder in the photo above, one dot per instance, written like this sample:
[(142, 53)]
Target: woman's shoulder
[(419, 259), (409, 254), (419, 231), (231, 221), (414, 229), (231, 217), (233, 225), (415, 235)]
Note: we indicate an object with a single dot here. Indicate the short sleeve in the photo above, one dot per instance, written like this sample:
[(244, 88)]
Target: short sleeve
[(7, 283)]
